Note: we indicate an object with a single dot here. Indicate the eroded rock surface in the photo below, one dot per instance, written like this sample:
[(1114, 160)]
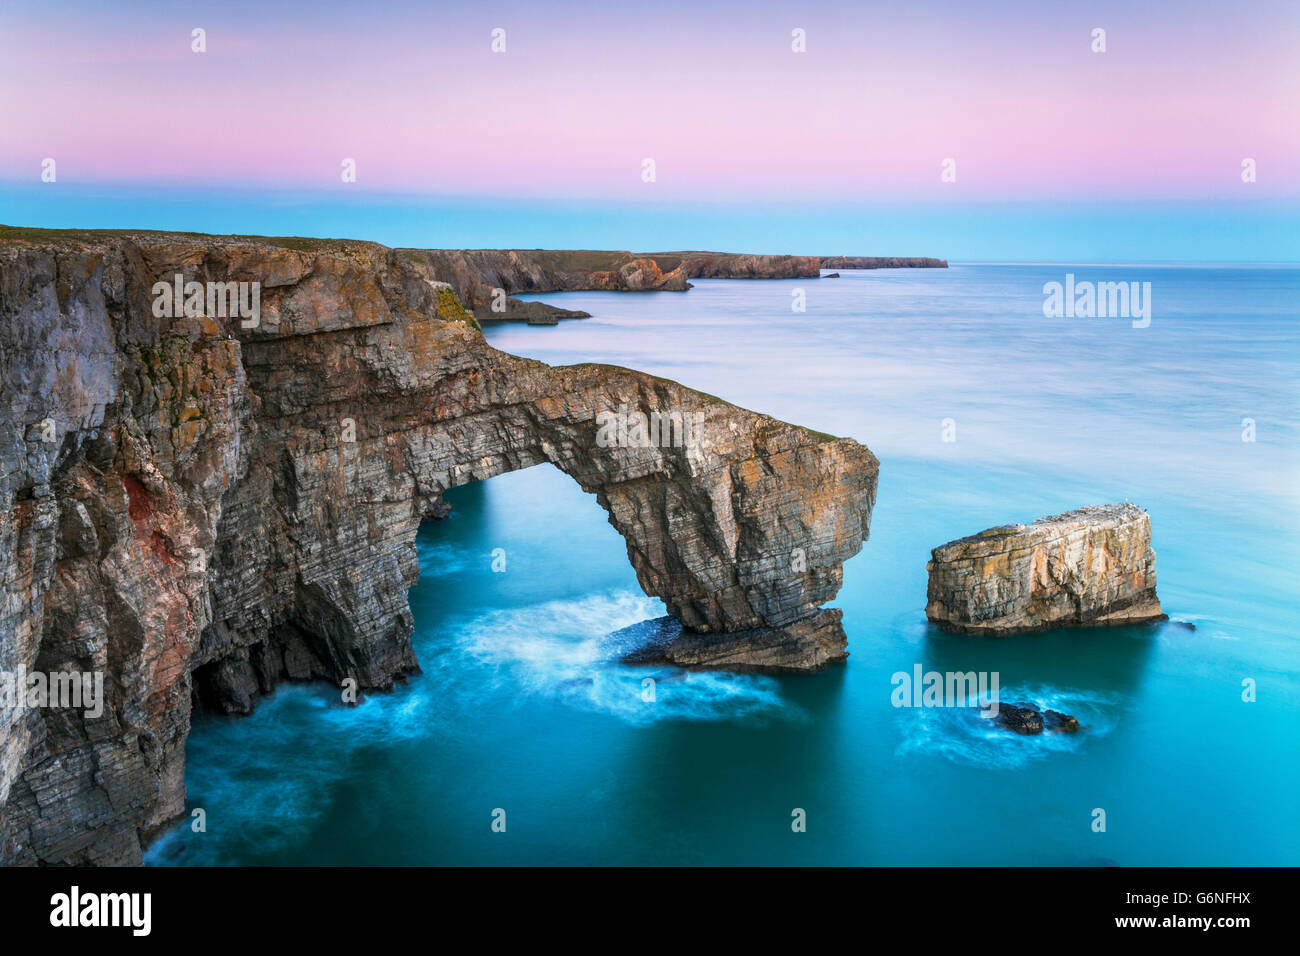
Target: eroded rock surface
[(488, 279), (199, 510), (808, 645), (1028, 720), (882, 262), (1092, 566)]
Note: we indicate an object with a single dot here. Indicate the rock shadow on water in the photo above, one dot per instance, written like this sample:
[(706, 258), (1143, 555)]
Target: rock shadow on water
[(1021, 733), (1113, 660), (1044, 678)]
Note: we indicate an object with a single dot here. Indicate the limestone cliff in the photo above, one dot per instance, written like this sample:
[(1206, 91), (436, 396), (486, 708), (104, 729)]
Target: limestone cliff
[(477, 274), (202, 506), (1090, 566), (735, 265), (480, 276), (882, 262)]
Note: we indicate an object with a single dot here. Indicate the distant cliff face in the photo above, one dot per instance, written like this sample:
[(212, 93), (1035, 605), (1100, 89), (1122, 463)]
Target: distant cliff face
[(487, 279), (481, 276), (882, 262), (1090, 566), (730, 265), (198, 507)]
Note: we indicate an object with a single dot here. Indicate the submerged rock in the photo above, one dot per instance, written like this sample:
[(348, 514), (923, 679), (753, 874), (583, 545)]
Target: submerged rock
[(1061, 723), (1092, 566), (1020, 718), (201, 507), (1026, 719)]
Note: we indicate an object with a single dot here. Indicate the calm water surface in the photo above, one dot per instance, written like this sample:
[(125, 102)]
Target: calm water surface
[(521, 705)]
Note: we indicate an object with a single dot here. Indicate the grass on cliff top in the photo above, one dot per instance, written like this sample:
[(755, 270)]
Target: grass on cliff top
[(559, 260), (296, 243), (590, 260), (452, 309), (821, 436)]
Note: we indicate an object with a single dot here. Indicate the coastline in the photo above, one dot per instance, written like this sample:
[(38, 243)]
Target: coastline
[(205, 503)]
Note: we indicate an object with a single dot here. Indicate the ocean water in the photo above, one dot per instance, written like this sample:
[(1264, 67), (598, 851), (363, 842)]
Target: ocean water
[(522, 706)]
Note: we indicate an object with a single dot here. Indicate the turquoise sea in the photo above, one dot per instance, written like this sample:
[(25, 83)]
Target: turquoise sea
[(523, 707)]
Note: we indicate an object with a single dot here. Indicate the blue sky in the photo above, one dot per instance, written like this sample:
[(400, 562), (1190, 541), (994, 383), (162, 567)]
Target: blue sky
[(1039, 231)]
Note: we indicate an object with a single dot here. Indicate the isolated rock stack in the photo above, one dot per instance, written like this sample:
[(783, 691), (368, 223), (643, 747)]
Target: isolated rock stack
[(1092, 566)]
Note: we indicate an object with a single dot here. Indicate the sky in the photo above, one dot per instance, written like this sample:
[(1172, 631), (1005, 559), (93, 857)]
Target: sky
[(1052, 149)]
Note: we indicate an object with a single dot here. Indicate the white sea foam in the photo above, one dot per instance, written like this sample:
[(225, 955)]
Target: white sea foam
[(961, 735), (561, 650)]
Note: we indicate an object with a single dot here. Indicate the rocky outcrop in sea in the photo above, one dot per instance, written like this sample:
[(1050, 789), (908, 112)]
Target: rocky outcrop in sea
[(199, 504), (1028, 720), (1093, 566)]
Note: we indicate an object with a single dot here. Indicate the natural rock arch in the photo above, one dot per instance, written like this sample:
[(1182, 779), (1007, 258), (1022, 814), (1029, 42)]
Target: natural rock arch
[(242, 503)]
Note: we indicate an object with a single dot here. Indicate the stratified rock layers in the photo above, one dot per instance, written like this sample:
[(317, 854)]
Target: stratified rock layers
[(1092, 566), (487, 279), (810, 644), (882, 262), (199, 510)]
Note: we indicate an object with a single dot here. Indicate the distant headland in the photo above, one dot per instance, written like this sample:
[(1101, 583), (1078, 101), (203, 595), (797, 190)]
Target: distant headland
[(487, 280)]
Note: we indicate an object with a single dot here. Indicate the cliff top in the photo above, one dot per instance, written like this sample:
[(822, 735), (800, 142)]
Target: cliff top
[(1096, 515), (567, 260), (33, 234)]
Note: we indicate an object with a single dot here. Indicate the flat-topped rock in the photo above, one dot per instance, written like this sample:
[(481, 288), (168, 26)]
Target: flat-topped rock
[(808, 645), (1093, 566)]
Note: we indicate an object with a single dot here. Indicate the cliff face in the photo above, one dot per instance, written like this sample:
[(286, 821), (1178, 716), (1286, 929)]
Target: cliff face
[(882, 262), (476, 274), (735, 265), (1090, 566), (198, 510)]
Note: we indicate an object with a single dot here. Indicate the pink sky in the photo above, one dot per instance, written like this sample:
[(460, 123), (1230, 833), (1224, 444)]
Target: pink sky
[(715, 96)]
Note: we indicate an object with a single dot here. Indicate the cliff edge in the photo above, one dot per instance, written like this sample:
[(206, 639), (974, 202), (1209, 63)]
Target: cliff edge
[(488, 280), (199, 500)]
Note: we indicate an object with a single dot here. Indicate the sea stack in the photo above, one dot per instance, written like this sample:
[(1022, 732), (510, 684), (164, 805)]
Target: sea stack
[(1093, 566)]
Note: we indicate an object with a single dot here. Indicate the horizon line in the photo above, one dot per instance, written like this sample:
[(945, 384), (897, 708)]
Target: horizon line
[(1121, 263)]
